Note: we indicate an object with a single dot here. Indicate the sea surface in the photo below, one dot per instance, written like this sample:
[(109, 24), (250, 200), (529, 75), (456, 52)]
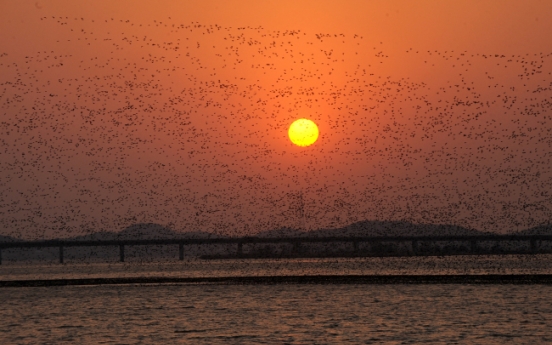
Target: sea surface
[(279, 313)]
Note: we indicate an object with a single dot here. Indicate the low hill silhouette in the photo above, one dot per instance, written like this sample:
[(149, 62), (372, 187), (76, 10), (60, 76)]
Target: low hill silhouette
[(4, 238), (545, 229), (369, 228), (366, 228), (142, 231), (397, 228), (282, 232)]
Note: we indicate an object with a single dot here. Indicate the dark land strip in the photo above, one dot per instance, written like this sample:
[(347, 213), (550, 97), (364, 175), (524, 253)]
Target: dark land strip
[(297, 279)]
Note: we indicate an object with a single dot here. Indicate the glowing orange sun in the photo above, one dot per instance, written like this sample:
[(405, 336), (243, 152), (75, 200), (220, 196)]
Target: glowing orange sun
[(303, 132)]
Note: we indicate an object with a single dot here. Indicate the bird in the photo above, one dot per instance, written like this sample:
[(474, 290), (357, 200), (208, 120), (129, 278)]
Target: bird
[(122, 122)]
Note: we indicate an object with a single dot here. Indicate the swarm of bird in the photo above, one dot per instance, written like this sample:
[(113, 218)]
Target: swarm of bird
[(185, 125)]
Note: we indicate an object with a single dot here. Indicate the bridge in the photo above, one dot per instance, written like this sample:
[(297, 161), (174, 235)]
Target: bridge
[(534, 242)]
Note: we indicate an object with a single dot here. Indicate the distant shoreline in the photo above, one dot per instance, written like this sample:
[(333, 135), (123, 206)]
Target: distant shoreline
[(494, 279)]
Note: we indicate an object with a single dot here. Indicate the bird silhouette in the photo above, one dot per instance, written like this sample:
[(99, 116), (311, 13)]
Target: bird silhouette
[(121, 122)]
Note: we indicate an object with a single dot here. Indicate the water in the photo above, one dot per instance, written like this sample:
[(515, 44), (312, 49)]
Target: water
[(277, 314), (506, 264)]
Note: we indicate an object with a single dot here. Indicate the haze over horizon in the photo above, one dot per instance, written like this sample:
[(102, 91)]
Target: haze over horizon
[(177, 113)]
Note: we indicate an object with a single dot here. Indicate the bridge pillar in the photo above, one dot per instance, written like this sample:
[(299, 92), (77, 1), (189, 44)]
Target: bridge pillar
[(240, 249), (181, 251), (296, 246), (371, 247), (534, 247), (473, 246), (415, 247), (60, 254), (121, 252)]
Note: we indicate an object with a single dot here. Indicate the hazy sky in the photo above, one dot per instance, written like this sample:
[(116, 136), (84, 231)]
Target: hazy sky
[(176, 112)]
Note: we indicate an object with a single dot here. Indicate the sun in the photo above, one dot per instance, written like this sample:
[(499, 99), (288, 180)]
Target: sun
[(303, 132)]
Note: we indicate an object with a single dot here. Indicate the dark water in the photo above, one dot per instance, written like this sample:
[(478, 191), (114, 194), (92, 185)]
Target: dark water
[(276, 314)]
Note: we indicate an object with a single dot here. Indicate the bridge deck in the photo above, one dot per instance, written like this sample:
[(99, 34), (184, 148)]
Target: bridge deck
[(533, 240)]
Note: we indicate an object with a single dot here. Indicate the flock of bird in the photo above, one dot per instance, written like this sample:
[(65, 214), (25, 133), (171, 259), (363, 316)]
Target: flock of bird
[(185, 125)]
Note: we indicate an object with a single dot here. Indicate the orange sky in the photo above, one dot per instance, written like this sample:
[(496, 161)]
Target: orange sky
[(177, 112), (505, 26)]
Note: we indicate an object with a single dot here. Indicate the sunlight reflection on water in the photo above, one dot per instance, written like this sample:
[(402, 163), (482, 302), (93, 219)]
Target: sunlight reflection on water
[(507, 264), (275, 314), (285, 313)]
